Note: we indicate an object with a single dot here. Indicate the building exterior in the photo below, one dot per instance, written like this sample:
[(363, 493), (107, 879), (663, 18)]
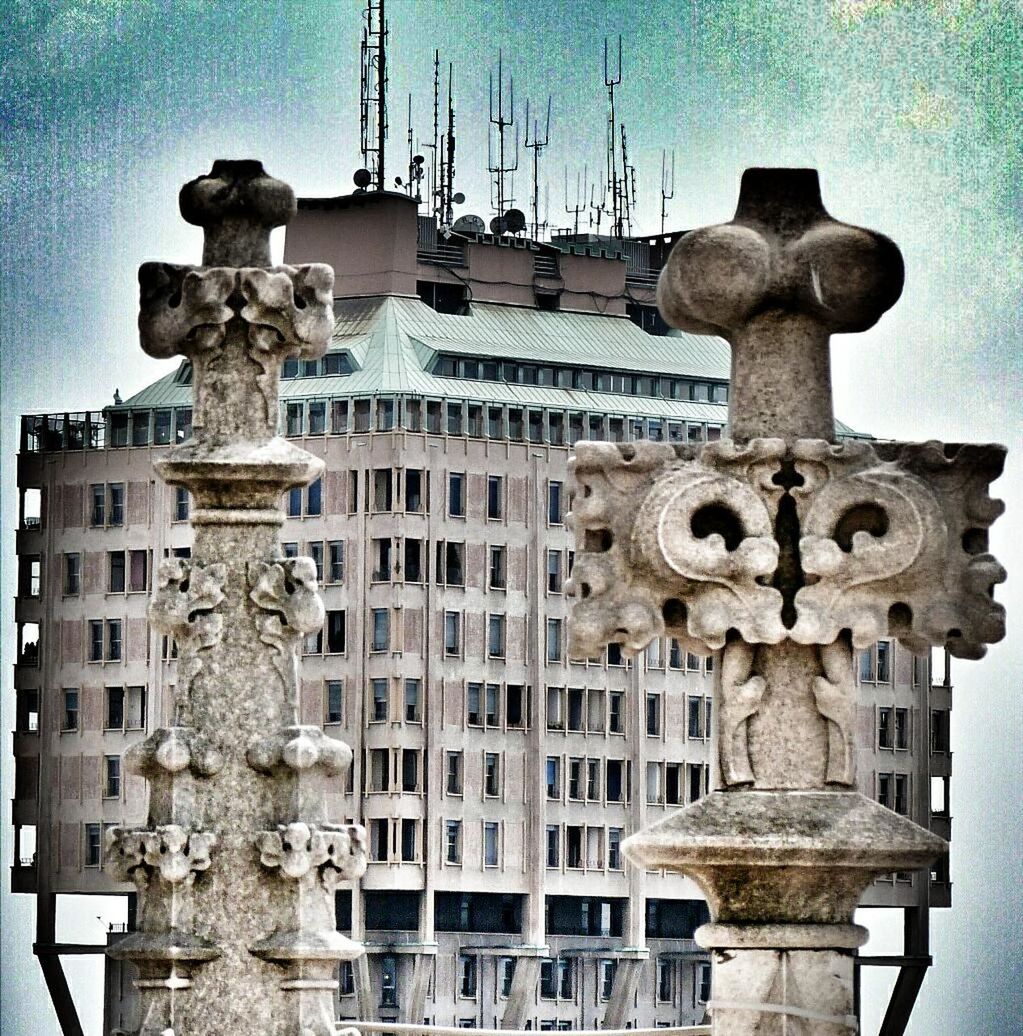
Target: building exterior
[(496, 778)]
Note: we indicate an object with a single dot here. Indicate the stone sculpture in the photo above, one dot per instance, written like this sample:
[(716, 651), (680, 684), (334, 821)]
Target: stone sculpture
[(786, 550), (238, 865)]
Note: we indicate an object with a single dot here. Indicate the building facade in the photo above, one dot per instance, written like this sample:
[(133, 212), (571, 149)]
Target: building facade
[(496, 777)]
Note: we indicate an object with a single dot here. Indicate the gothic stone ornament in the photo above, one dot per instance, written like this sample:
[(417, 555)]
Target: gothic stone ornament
[(235, 766), (787, 551)]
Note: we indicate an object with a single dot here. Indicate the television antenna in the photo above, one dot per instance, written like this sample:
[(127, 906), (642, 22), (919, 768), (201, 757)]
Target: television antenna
[(536, 145), (373, 90), (578, 207), (502, 116), (667, 186)]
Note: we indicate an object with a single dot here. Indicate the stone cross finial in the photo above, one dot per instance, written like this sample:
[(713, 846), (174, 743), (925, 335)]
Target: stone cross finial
[(237, 204), (786, 551), (776, 282)]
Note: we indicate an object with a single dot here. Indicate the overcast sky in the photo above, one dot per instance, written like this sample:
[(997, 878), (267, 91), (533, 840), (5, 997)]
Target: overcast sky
[(911, 112)]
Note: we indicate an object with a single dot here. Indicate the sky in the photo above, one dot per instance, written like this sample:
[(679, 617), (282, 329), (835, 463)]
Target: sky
[(912, 112)]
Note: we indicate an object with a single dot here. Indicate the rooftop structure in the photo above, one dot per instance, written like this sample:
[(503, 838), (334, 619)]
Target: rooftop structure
[(496, 779)]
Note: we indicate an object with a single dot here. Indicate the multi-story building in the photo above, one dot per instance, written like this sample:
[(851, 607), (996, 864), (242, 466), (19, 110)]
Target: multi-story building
[(496, 777)]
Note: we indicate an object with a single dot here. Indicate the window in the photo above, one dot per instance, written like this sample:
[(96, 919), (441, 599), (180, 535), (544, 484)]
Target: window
[(473, 704), (554, 508), (113, 630), (388, 981), (412, 703), (456, 495), (902, 728), (381, 552), (654, 793), (98, 508), (454, 773), (337, 632), (491, 775), (93, 842), (414, 496), (27, 718), (414, 560), (902, 794), (334, 700), (553, 845), (409, 840), (493, 691), (674, 654), (453, 841), (381, 629), (573, 846), (575, 708), (653, 715), (884, 655), (695, 718), (665, 976), (450, 563), (673, 789), (939, 730), (381, 710), (181, 504), (336, 561), (161, 427), (703, 983), (554, 640), (346, 984), (295, 503), (290, 550), (116, 496), (182, 424), (69, 711), (382, 483), (495, 496), (490, 836), (115, 709), (495, 636), (554, 581), (555, 719), (72, 574), (884, 728), (614, 785), (515, 705), (553, 777), (353, 492), (138, 570), (452, 633), (575, 786), (293, 419), (379, 771), (606, 973), (111, 777), (548, 984), (884, 789), (316, 553), (498, 568), (616, 703), (614, 848), (467, 975), (313, 643), (115, 571), (506, 972)]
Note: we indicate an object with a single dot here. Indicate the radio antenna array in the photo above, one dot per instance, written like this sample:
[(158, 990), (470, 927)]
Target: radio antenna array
[(373, 91), (502, 117), (580, 198), (667, 185), (537, 145)]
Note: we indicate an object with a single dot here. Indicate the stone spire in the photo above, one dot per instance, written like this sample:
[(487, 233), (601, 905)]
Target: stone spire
[(787, 551), (238, 865)]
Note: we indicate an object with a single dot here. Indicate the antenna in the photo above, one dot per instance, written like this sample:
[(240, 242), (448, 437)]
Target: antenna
[(627, 190), (667, 192), (413, 185), (448, 179), (504, 120), (611, 80), (578, 207), (373, 90), (537, 145)]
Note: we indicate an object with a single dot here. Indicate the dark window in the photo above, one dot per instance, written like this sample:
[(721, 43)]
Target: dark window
[(491, 912), (456, 495), (336, 632), (334, 702), (495, 496), (116, 516), (115, 708), (674, 918), (72, 573), (554, 511), (585, 915)]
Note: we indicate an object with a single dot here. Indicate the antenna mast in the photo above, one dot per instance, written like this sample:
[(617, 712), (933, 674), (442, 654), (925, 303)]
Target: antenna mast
[(448, 178), (667, 192), (575, 209), (537, 145), (504, 120), (611, 80), (373, 90)]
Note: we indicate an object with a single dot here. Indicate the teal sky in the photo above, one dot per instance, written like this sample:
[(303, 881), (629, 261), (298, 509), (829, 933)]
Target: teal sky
[(911, 111)]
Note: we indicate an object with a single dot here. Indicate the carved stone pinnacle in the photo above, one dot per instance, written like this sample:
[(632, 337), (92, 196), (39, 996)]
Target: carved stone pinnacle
[(237, 204), (776, 282)]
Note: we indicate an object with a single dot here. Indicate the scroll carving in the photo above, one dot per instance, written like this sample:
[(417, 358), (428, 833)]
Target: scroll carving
[(183, 607)]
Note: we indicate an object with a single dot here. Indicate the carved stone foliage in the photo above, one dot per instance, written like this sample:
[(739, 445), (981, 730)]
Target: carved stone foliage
[(329, 853), (299, 748), (183, 607), (172, 750), (170, 852), (291, 607), (689, 542)]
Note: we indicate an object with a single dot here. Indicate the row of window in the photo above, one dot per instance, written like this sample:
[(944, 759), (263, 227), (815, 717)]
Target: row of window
[(492, 421), (581, 379)]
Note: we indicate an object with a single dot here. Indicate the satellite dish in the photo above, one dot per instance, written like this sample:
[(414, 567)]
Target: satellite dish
[(458, 198), (363, 178), (418, 160), (469, 225), (515, 220), (498, 225)]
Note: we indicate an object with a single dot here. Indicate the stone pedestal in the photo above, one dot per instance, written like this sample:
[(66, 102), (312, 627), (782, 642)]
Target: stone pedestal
[(787, 551), (238, 866)]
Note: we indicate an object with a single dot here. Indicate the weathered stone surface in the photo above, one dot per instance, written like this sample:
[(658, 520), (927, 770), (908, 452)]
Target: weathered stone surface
[(239, 863)]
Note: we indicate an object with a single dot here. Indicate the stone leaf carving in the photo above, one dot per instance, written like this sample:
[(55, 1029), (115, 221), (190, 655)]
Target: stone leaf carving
[(299, 748), (676, 540), (835, 696), (174, 750), (172, 853), (895, 539), (741, 695), (287, 594), (182, 606), (185, 309), (330, 853)]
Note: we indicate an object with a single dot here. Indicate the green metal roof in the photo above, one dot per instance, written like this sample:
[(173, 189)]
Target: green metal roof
[(393, 340)]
